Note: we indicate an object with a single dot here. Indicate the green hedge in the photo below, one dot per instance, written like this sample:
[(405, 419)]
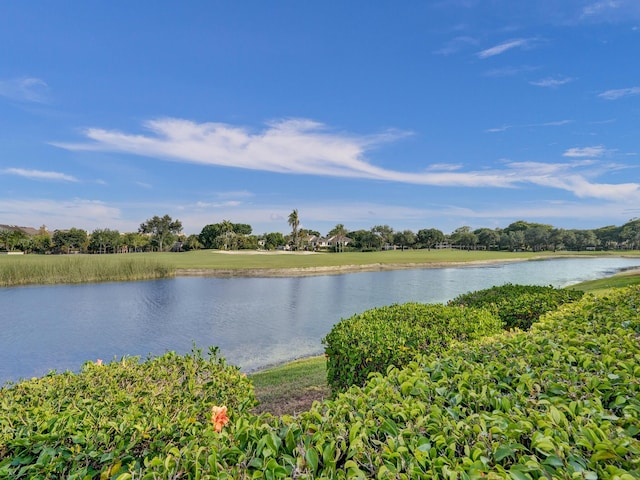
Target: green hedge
[(376, 339), (115, 417), (561, 401), (518, 305)]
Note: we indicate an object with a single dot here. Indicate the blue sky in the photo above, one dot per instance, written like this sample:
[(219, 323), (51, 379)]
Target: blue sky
[(418, 114)]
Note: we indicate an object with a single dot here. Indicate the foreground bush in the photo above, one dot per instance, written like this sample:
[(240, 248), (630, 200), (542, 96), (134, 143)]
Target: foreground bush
[(116, 417), (376, 339), (518, 305), (561, 401)]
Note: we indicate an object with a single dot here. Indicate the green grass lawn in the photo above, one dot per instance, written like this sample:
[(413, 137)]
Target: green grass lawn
[(291, 388), (604, 285), (214, 259)]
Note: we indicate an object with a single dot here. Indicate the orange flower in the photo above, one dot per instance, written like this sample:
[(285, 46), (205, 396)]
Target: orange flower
[(219, 417)]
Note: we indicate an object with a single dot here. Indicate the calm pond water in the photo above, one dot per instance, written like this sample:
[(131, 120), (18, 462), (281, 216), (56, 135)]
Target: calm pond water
[(255, 321)]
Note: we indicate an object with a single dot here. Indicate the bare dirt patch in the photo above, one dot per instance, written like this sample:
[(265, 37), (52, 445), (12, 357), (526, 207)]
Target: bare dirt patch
[(295, 402)]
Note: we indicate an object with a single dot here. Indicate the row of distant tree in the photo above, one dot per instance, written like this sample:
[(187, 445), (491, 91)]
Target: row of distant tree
[(164, 233)]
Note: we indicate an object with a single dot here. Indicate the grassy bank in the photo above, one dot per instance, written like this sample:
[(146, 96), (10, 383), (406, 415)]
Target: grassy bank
[(52, 269), (251, 262), (605, 285), (291, 388), (48, 270)]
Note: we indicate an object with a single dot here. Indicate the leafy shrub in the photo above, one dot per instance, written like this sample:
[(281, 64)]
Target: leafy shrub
[(561, 401), (115, 417), (393, 335), (518, 305)]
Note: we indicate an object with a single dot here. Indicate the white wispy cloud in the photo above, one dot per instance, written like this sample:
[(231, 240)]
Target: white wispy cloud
[(619, 93), (578, 152), (597, 8), (504, 128), (557, 123), (296, 146), (505, 46), (567, 176), (456, 45), (307, 147), (27, 89), (551, 82), (39, 174), (610, 11)]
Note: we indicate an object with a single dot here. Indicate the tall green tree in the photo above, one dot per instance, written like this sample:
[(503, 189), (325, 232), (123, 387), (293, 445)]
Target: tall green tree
[(227, 234), (294, 223), (429, 237), (74, 239), (609, 236), (18, 240), (4, 238), (464, 238), (513, 240), (135, 241), (209, 235), (192, 242), (161, 229), (340, 234), (102, 240), (273, 240), (242, 229), (487, 237), (406, 238), (537, 237), (385, 232), (630, 234)]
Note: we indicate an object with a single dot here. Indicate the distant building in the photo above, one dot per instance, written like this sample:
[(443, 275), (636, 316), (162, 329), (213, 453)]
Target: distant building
[(314, 242)]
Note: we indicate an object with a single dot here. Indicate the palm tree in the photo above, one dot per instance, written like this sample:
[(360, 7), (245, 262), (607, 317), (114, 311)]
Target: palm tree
[(340, 233), (226, 229), (294, 223)]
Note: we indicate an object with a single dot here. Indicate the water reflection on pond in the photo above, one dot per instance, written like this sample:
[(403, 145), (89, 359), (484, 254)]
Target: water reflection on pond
[(255, 321)]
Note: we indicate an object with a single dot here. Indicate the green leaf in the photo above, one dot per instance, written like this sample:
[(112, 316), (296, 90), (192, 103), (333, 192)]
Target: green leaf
[(503, 452), (311, 457)]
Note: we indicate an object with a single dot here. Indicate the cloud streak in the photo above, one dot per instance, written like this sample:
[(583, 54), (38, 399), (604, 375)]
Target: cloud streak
[(306, 147), (504, 47), (552, 82), (504, 128), (577, 152), (619, 93), (25, 89), (39, 174), (456, 45)]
